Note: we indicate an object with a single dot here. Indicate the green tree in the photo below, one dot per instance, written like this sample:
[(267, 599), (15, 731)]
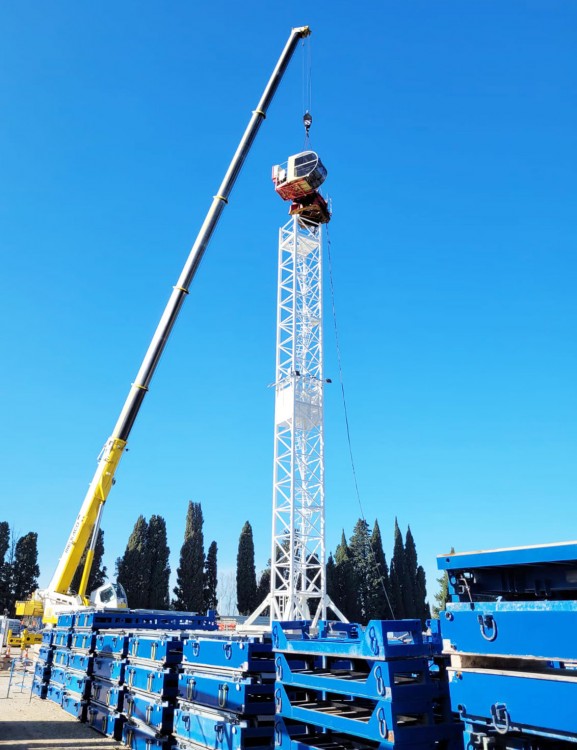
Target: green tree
[(246, 600), (380, 606), (211, 578), (263, 588), (398, 575), (189, 590), (5, 568), (344, 589), (157, 555), (132, 569), (25, 570), (363, 566), (442, 595), (412, 608), (98, 571)]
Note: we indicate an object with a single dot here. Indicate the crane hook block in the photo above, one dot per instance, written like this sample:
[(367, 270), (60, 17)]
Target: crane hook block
[(308, 121)]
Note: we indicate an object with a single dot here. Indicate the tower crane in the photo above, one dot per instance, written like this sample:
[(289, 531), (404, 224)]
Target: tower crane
[(84, 532)]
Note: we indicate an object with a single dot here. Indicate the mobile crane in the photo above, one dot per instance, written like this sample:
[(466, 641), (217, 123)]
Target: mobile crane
[(85, 530)]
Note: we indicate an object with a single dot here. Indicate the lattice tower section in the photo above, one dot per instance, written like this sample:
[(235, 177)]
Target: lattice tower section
[(298, 585)]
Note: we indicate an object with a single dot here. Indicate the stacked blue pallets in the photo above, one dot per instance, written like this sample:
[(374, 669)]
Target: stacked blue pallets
[(43, 665), (510, 628), (225, 693), (106, 690), (151, 682), (383, 686)]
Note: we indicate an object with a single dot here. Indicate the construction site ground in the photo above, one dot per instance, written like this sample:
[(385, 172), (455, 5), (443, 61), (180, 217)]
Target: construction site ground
[(29, 723)]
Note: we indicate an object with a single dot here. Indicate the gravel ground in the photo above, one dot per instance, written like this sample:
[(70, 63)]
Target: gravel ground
[(29, 723)]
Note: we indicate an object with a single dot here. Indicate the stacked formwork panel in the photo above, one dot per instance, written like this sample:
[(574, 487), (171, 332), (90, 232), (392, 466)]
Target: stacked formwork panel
[(510, 629), (43, 665), (225, 694), (380, 687)]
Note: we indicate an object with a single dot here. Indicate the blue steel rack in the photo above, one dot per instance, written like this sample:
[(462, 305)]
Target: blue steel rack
[(511, 626)]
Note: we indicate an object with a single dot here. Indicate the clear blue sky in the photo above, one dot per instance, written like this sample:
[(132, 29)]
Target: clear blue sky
[(449, 132)]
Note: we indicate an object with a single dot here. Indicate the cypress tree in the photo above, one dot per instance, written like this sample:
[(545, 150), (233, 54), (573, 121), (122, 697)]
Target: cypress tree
[(380, 584), (330, 576), (211, 578), (345, 593), (132, 569), (98, 574), (397, 575), (246, 600), (189, 588), (4, 567), (25, 570), (410, 594), (158, 553), (363, 568)]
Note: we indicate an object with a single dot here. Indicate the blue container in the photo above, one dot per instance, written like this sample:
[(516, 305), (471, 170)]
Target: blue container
[(46, 654), (248, 655), (74, 705), (111, 644), (61, 657), (39, 687), (57, 676), (109, 669), (47, 636), (247, 696), (138, 738), (55, 693), (80, 662), (105, 720), (78, 683), (157, 714), (62, 637), (65, 620), (83, 640), (162, 648), (160, 682)]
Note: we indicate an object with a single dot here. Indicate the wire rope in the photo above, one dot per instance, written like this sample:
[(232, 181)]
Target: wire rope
[(347, 424)]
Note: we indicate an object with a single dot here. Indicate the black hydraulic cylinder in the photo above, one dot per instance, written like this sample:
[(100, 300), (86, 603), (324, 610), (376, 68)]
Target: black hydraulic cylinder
[(168, 319)]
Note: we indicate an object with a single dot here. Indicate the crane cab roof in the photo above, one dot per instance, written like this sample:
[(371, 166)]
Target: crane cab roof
[(299, 176)]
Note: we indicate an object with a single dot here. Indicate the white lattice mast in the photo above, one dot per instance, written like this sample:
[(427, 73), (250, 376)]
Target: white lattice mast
[(298, 581)]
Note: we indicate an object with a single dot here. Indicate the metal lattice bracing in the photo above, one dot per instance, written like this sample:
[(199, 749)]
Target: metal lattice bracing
[(298, 583)]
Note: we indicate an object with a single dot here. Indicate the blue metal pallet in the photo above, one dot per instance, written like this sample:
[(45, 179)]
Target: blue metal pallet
[(138, 737), (149, 710), (537, 704), (159, 682), (47, 636), (162, 648), (104, 720), (538, 572), (398, 679), (288, 736), (513, 628), (374, 720), (144, 619), (65, 620), (220, 730), (112, 643), (381, 639), (244, 695), (244, 654)]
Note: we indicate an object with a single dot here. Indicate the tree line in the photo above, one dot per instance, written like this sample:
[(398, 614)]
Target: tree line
[(359, 580), (19, 569)]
